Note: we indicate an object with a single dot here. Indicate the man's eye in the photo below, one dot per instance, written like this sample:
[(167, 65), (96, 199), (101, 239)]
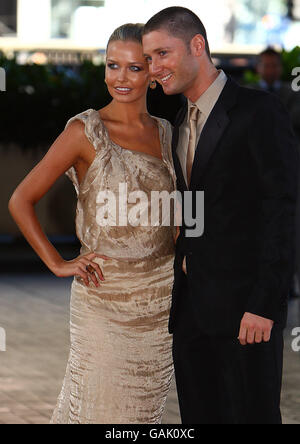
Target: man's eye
[(148, 59)]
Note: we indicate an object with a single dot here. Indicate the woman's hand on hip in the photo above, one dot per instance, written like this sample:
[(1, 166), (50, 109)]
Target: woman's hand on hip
[(82, 266)]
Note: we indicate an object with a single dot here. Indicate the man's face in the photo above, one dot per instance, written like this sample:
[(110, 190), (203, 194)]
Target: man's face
[(270, 68), (171, 63)]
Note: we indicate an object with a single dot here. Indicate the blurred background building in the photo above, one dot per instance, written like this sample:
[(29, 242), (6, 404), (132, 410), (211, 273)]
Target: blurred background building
[(52, 54), (51, 68), (236, 26)]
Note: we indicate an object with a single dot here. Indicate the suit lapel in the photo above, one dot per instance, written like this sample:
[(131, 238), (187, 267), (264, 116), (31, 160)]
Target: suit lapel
[(213, 130), (210, 137)]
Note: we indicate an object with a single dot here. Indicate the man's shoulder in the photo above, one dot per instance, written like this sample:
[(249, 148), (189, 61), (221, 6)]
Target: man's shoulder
[(253, 93), (286, 91), (253, 97)]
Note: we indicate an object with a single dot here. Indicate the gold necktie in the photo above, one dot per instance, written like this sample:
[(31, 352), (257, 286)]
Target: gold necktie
[(194, 114)]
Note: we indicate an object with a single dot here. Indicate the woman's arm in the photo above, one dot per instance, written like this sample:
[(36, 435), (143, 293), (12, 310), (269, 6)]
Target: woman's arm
[(68, 148)]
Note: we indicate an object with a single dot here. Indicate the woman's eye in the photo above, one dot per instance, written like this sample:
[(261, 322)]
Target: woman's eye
[(162, 53), (135, 68), (112, 65)]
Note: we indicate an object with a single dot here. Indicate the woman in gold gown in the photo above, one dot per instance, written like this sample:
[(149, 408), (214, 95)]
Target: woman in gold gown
[(120, 364)]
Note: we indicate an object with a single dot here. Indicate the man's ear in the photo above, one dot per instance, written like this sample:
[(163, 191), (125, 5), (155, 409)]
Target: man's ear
[(198, 45)]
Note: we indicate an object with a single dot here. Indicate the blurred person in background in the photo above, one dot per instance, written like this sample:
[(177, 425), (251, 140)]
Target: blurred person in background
[(270, 69)]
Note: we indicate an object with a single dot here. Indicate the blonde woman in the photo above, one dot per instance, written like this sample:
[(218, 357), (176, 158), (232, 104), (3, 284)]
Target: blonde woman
[(120, 364)]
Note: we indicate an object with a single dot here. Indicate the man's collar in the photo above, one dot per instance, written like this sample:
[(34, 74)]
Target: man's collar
[(208, 99)]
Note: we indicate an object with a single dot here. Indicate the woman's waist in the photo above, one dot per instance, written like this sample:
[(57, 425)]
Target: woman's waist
[(133, 256), (129, 248), (116, 269)]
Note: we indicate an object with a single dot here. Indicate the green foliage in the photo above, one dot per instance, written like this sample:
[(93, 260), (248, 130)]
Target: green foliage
[(250, 77), (39, 99), (290, 60)]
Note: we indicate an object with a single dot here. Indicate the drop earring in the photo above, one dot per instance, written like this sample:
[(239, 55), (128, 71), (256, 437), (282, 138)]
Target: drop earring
[(153, 84)]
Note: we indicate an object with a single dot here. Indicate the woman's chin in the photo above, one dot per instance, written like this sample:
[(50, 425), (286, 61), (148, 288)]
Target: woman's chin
[(127, 98)]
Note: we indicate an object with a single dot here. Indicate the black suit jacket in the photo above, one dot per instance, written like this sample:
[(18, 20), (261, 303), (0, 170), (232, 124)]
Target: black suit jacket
[(246, 164)]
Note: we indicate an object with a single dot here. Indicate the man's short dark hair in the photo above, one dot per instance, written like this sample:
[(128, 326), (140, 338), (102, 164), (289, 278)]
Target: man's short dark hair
[(178, 22)]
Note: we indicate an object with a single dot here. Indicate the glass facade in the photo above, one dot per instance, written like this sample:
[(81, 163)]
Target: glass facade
[(65, 15), (8, 17), (257, 22), (237, 22), (262, 22), (232, 25)]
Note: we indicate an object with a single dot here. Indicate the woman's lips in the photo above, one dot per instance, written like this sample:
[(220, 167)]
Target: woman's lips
[(123, 90)]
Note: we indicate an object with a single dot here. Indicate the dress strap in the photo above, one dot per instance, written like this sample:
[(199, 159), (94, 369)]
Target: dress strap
[(93, 127)]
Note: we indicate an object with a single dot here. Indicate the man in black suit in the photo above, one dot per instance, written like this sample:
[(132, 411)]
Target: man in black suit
[(231, 284), (270, 69)]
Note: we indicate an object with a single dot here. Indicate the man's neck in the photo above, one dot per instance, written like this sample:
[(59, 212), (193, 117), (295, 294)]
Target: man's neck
[(203, 81)]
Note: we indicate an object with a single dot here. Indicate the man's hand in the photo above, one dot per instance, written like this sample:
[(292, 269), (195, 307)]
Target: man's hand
[(255, 329)]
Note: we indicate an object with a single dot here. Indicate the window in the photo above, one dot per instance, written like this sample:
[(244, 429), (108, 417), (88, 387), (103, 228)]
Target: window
[(66, 12), (8, 17), (257, 22), (294, 9)]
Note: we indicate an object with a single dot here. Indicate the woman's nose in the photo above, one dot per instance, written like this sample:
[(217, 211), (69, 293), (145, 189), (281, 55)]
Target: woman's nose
[(122, 75)]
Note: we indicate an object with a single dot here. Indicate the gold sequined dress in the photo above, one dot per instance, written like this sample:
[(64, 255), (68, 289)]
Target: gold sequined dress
[(120, 364)]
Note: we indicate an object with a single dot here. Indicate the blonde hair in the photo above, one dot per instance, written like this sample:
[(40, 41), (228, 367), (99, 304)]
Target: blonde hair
[(131, 32)]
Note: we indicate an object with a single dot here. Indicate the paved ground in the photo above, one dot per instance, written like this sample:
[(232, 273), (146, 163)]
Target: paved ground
[(34, 311)]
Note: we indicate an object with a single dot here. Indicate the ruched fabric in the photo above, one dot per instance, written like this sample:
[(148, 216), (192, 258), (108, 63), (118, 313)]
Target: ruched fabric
[(120, 364)]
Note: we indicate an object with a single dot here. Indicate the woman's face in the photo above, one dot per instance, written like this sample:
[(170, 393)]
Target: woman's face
[(127, 72)]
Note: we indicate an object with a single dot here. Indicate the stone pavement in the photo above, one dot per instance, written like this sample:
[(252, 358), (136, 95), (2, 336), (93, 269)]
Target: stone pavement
[(34, 311)]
